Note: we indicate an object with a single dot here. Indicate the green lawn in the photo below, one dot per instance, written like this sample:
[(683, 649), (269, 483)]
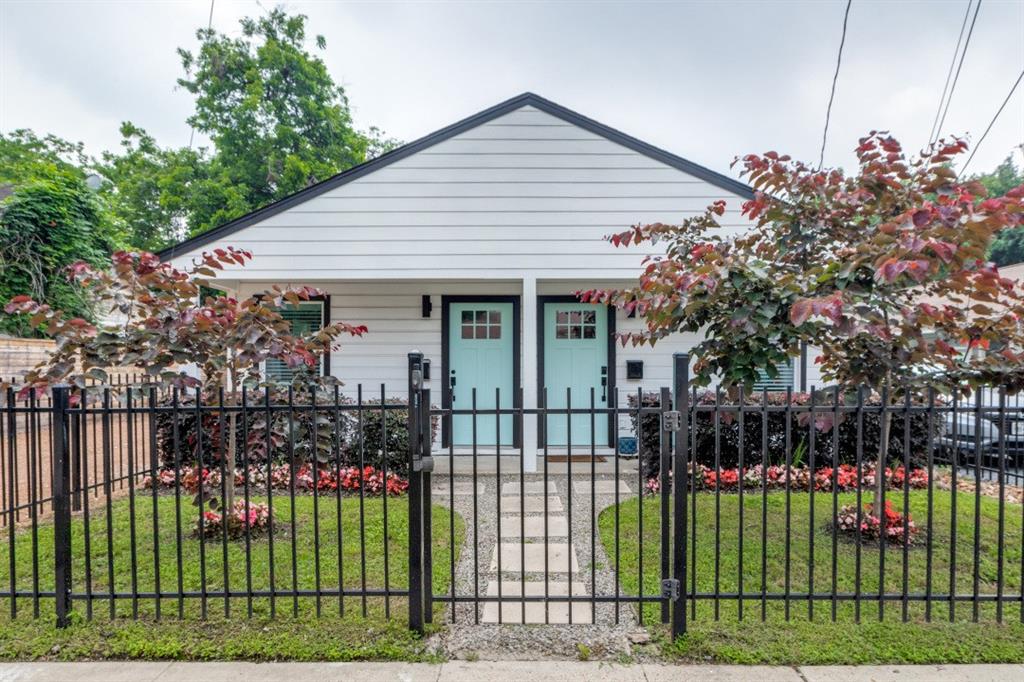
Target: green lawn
[(295, 631), (802, 640)]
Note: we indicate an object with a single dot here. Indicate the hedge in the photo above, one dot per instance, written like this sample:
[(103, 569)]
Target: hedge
[(825, 438), (383, 437)]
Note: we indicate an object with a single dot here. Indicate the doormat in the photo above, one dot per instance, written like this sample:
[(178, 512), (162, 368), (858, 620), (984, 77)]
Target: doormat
[(575, 458)]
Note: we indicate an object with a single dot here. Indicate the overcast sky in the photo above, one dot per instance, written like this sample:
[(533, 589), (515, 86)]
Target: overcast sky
[(705, 80)]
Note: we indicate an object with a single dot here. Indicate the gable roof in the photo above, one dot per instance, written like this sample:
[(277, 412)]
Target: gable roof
[(508, 106)]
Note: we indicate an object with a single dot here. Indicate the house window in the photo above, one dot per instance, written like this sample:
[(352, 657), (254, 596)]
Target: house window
[(481, 324), (575, 324), (304, 318), (781, 382)]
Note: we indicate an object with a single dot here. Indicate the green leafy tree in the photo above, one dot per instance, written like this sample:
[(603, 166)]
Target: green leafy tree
[(153, 190), (24, 156), (48, 223), (1008, 247), (884, 270), (277, 119)]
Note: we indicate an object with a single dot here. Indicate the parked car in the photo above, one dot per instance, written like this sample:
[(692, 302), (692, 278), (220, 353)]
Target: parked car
[(968, 430)]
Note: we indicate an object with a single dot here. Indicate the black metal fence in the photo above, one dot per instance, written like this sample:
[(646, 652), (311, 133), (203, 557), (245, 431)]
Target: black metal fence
[(132, 500), (787, 528), (150, 504)]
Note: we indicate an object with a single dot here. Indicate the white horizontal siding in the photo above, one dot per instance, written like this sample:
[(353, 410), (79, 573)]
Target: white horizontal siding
[(469, 176), (581, 146), (814, 378), (447, 204), (439, 247), (311, 225), (529, 116), (525, 195), (624, 162), (522, 190)]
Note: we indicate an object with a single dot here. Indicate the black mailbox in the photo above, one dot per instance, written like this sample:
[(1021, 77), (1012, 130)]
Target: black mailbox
[(634, 369)]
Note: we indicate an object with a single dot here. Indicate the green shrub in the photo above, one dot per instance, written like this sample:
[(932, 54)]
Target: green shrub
[(385, 436), (379, 436), (278, 436), (825, 439)]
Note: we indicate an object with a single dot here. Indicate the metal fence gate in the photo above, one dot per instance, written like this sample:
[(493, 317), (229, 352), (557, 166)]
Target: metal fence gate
[(535, 549)]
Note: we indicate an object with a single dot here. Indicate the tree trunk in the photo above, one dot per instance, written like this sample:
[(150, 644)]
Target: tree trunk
[(883, 455), (229, 465)]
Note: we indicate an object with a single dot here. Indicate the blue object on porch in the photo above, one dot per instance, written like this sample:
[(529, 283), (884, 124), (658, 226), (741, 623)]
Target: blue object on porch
[(627, 445)]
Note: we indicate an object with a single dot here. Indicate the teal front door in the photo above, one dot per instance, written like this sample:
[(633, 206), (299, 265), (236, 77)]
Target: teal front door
[(481, 357), (576, 358)]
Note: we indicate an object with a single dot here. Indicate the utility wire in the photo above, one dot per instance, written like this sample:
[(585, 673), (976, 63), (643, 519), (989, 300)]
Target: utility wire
[(967, 43), (835, 77), (949, 73), (209, 25), (991, 123)]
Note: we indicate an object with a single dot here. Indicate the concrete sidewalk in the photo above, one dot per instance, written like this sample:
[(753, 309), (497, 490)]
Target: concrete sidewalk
[(504, 671)]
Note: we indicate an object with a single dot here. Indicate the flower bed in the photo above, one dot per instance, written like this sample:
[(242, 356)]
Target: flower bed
[(349, 479), (892, 524), (255, 518), (775, 477)]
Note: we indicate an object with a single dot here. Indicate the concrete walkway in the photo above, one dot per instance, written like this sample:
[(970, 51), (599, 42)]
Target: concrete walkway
[(505, 671), (542, 547)]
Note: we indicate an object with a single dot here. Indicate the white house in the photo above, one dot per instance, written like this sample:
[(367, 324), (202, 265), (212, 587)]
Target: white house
[(468, 244)]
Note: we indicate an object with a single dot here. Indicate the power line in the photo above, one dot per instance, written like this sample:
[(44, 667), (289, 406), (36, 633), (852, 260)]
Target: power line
[(991, 123), (209, 25), (956, 77), (949, 73), (835, 77)]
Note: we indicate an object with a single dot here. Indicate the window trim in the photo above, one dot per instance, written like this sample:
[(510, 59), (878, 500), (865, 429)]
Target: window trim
[(325, 319)]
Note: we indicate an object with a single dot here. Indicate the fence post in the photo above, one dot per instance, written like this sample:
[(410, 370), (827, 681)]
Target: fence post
[(664, 478), (75, 464), (428, 526), (415, 494), (61, 504), (680, 484)]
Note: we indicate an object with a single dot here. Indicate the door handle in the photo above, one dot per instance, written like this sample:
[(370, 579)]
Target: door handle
[(451, 385), (604, 384)]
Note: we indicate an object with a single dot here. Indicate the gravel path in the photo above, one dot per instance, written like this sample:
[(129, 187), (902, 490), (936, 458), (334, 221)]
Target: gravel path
[(595, 632)]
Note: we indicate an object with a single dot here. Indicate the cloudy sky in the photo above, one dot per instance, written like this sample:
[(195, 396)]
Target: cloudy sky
[(705, 80)]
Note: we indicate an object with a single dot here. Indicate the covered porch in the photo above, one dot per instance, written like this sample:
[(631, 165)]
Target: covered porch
[(518, 343)]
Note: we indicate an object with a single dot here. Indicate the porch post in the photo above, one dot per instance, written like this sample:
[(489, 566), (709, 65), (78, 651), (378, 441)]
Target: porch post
[(529, 375)]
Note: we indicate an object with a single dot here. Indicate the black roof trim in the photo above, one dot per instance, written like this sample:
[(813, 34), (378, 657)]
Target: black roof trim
[(525, 99)]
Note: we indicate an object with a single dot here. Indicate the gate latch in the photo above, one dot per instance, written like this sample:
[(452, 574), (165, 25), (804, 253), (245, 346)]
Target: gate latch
[(424, 464), (670, 588), (671, 421)]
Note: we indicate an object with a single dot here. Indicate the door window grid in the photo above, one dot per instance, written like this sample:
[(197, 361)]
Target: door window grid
[(575, 324), (481, 324)]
